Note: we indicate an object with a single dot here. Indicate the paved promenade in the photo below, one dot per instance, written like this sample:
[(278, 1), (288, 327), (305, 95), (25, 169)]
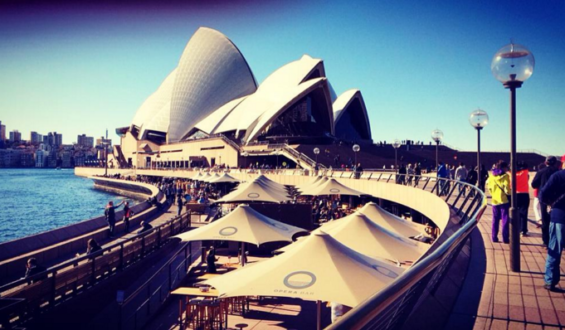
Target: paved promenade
[(510, 300)]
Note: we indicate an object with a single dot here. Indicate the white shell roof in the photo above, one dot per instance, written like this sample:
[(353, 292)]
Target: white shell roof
[(278, 106), (275, 90), (211, 72), (153, 114), (342, 102), (216, 118)]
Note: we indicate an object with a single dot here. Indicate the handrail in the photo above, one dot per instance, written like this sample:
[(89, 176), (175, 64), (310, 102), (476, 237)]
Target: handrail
[(389, 308), (117, 264)]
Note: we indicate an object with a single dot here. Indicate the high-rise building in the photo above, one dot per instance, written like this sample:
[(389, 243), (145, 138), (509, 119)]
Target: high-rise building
[(35, 137), (2, 131), (15, 136), (85, 141), (58, 138), (40, 158)]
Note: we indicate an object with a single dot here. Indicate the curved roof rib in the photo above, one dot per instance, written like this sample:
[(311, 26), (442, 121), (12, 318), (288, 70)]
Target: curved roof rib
[(216, 118), (285, 101), (153, 114), (211, 73), (344, 104), (271, 92)]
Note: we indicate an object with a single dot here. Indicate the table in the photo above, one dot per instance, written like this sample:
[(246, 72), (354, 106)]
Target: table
[(199, 315), (185, 291)]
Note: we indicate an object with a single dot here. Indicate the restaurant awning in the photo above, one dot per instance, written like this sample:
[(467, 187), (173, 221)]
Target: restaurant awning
[(330, 187), (225, 178), (391, 222), (255, 192), (319, 268), (243, 224)]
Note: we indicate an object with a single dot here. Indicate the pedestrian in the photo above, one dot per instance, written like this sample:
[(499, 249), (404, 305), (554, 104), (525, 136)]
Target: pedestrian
[(409, 175), (211, 261), (539, 181), (145, 226), (110, 213), (179, 204), (128, 213), (401, 175), (442, 175), (417, 173), (523, 195), (472, 179), (553, 194), (33, 268), (461, 176), (483, 176), (498, 185)]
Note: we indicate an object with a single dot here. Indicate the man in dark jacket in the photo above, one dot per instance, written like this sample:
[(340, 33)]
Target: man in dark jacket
[(553, 193), (110, 213), (539, 181)]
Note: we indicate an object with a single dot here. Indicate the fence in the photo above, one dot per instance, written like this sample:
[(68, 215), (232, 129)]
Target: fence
[(390, 308), (26, 297)]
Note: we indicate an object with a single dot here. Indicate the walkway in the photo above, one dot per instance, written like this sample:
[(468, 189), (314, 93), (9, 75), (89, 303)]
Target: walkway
[(511, 300)]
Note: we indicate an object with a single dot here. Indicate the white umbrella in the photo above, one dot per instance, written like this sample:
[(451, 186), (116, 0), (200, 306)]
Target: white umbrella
[(361, 234), (243, 224), (254, 192), (197, 176), (331, 187), (320, 269), (390, 221), (312, 183), (225, 178)]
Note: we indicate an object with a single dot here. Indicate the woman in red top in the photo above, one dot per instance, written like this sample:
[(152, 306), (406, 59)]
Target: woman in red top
[(523, 195)]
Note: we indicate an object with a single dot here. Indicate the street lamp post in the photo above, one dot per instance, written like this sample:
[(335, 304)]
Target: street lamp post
[(479, 119), (512, 65), (316, 152), (356, 148), (396, 144), (437, 136)]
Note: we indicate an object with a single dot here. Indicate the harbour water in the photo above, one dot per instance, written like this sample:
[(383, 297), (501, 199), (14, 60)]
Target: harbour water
[(37, 200)]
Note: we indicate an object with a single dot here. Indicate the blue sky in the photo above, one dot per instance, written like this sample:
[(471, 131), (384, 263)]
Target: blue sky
[(420, 65)]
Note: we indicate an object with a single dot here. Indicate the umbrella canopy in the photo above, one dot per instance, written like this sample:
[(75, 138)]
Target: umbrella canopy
[(198, 176), (225, 178), (211, 177), (319, 268), (361, 234), (390, 221), (205, 177), (270, 183), (254, 192), (331, 187), (243, 224), (312, 183)]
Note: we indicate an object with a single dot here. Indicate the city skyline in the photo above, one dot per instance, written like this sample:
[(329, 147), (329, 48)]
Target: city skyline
[(87, 69)]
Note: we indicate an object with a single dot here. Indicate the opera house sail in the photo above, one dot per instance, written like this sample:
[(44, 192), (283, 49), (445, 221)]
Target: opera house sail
[(212, 92)]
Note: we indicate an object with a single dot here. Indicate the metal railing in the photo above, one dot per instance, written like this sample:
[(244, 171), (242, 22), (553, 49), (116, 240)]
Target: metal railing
[(389, 308), (138, 308), (42, 291)]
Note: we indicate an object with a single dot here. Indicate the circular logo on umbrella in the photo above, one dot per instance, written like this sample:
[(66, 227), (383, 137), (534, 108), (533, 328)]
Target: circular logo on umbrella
[(299, 280), (253, 195), (385, 271), (334, 190), (228, 231)]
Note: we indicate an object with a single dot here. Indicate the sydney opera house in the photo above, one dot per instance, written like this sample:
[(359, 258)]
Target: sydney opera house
[(210, 109)]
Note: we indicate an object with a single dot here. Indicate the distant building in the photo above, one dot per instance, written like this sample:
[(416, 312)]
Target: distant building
[(2, 132), (40, 158), (15, 136), (35, 137), (66, 159), (27, 159), (85, 141), (101, 140), (10, 158)]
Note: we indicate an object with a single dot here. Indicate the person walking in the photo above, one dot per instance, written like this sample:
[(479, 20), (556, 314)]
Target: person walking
[(472, 179), (211, 261), (461, 176), (180, 203), (417, 173), (442, 175), (483, 176), (539, 181), (553, 193), (498, 185), (127, 214), (523, 195), (110, 213), (401, 175)]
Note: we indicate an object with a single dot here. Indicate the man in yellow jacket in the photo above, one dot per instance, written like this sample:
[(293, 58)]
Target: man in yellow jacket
[(498, 185)]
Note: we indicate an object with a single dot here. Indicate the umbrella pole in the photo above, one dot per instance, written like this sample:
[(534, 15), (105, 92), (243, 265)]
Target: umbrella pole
[(242, 254), (318, 315)]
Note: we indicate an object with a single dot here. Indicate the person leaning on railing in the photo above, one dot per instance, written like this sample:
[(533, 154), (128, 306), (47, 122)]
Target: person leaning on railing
[(33, 268)]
